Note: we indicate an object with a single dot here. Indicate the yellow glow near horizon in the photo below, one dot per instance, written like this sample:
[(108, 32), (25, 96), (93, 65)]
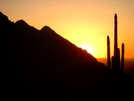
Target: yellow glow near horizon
[(88, 49)]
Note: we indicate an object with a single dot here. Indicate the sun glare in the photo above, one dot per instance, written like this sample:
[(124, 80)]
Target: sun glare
[(88, 49)]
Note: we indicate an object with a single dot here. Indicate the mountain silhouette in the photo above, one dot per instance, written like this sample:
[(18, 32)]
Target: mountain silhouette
[(41, 63)]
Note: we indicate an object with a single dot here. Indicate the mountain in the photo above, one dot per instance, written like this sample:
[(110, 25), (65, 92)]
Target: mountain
[(41, 63)]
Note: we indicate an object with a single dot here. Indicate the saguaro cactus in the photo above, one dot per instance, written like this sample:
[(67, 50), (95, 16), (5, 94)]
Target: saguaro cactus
[(108, 53), (116, 57), (115, 35), (122, 58), (116, 49)]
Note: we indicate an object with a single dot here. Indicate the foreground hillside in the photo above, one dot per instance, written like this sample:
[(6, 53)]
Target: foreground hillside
[(40, 63)]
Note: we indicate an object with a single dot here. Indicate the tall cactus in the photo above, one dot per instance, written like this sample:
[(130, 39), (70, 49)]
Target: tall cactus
[(116, 49), (108, 53), (122, 58), (115, 35), (116, 57)]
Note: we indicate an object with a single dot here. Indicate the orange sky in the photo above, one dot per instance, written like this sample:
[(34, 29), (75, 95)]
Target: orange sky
[(86, 23)]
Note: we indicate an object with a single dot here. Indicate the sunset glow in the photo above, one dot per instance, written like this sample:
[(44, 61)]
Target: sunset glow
[(89, 50), (85, 23)]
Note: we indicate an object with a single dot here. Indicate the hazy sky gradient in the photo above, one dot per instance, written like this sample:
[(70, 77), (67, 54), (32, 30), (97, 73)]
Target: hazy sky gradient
[(83, 22)]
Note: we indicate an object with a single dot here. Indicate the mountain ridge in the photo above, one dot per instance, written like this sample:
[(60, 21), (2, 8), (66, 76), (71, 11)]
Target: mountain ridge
[(40, 62)]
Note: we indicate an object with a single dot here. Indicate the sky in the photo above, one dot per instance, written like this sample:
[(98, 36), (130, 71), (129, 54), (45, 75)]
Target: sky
[(85, 23)]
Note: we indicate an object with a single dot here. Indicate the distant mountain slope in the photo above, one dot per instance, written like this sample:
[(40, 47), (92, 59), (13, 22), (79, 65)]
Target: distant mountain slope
[(42, 63)]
